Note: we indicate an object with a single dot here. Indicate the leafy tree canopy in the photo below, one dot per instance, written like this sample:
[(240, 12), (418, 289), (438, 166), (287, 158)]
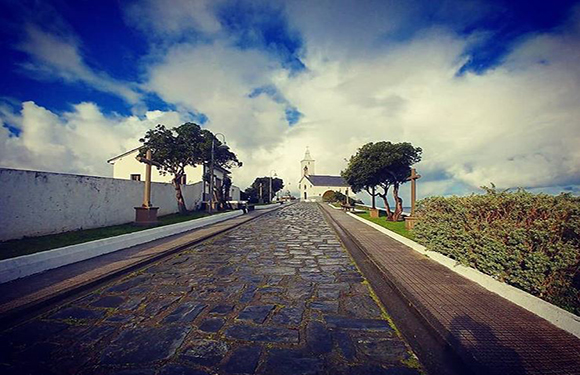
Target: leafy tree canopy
[(174, 149), (188, 144), (382, 165)]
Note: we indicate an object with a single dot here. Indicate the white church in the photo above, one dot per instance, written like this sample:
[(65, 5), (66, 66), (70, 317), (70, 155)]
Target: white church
[(313, 187)]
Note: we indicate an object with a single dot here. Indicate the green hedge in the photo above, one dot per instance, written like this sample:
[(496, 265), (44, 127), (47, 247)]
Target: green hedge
[(526, 240)]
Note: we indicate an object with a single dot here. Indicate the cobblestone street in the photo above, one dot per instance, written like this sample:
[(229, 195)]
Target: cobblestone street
[(278, 295)]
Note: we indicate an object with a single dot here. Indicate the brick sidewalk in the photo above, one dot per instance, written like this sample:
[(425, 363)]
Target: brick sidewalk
[(491, 334), (33, 291)]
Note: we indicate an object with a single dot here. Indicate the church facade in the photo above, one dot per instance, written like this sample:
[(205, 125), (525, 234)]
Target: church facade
[(313, 187)]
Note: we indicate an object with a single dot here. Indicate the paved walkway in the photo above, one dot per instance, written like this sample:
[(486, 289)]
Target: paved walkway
[(490, 333), (277, 295), (30, 292)]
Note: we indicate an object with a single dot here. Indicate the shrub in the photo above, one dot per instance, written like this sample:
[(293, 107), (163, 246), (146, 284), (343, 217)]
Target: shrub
[(529, 241), (336, 196)]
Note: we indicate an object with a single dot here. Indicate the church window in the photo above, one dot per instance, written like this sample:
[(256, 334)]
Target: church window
[(136, 177)]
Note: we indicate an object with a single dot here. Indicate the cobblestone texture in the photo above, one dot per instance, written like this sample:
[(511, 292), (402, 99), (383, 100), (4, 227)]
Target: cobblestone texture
[(278, 295)]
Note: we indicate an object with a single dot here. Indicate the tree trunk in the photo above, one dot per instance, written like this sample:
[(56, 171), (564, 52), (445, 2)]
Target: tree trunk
[(180, 201), (385, 200), (398, 203), (373, 193)]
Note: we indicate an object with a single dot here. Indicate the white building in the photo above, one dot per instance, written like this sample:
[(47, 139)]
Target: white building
[(126, 166), (314, 187)]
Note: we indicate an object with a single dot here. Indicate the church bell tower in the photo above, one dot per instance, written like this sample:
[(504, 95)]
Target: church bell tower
[(307, 164)]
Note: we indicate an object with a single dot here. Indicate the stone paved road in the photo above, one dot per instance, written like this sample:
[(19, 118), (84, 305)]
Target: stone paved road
[(278, 295)]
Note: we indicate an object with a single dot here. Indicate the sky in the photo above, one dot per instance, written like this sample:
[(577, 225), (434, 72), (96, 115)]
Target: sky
[(490, 90)]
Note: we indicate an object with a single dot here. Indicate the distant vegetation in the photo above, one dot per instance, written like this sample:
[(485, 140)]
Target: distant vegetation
[(526, 240), (259, 191)]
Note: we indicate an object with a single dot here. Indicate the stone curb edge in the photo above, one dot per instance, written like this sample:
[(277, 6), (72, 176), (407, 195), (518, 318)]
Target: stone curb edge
[(26, 265), (35, 306), (553, 314)]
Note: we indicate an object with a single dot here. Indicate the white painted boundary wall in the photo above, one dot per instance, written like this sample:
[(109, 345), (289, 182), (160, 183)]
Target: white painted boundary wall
[(38, 203), (14, 268), (555, 315)]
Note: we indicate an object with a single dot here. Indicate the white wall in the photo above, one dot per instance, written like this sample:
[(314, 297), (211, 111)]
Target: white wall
[(316, 192), (36, 203), (234, 193)]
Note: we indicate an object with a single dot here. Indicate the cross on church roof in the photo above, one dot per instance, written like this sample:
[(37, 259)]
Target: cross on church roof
[(307, 155)]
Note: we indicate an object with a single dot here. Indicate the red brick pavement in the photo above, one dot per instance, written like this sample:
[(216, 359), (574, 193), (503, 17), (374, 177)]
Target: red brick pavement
[(490, 333)]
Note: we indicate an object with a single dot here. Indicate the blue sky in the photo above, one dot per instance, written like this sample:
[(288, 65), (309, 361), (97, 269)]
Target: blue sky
[(489, 89)]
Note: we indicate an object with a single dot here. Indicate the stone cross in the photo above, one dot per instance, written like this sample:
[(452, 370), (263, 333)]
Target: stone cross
[(413, 178), (147, 193), (146, 215)]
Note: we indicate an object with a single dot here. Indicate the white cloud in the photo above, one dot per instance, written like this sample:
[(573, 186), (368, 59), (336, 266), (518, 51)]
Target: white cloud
[(173, 17), (58, 56), (515, 125), (217, 79), (79, 141)]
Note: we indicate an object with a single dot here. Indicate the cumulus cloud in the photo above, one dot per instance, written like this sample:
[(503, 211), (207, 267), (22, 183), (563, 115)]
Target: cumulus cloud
[(517, 125), (218, 79), (514, 125), (78, 141)]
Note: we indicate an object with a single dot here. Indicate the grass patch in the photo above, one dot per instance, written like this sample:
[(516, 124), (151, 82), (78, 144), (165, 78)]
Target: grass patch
[(395, 226), (31, 245)]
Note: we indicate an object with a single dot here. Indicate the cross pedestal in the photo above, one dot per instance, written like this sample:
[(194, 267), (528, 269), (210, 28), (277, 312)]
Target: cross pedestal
[(146, 215), (411, 220)]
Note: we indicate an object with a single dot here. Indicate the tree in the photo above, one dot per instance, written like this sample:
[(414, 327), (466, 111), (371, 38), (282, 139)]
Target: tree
[(363, 172), (223, 156), (253, 191), (378, 166), (174, 149), (403, 156)]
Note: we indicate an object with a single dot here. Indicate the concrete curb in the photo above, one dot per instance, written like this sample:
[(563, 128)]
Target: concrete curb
[(553, 314), (266, 206), (26, 265)]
